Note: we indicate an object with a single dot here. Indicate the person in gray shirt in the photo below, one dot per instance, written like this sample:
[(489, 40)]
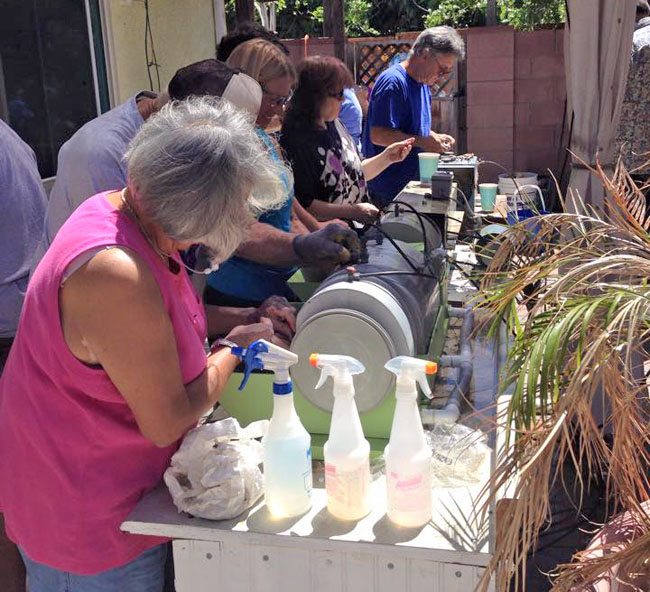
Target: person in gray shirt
[(91, 160), (23, 204)]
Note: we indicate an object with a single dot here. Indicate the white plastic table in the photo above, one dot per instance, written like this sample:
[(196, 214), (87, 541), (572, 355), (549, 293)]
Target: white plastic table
[(317, 553)]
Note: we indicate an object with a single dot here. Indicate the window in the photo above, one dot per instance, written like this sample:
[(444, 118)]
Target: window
[(48, 86)]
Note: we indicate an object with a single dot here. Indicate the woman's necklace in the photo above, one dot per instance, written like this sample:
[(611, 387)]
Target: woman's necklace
[(172, 264)]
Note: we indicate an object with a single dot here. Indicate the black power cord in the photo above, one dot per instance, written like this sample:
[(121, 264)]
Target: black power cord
[(397, 247)]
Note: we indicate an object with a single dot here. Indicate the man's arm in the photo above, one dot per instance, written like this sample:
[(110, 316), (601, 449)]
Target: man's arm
[(384, 136), (330, 244), (269, 245)]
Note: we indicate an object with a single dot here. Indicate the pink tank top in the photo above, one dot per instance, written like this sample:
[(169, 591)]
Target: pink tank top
[(73, 463)]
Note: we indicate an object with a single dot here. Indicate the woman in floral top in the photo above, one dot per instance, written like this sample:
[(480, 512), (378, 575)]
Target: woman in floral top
[(329, 173)]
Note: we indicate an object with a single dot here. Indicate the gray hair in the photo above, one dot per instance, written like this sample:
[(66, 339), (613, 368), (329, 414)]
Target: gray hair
[(200, 172), (443, 40)]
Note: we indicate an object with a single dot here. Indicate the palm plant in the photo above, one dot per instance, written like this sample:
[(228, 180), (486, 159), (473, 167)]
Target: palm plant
[(584, 281)]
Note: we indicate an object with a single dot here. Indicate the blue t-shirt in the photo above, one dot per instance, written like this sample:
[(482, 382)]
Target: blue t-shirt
[(351, 115), (399, 102), (248, 280)]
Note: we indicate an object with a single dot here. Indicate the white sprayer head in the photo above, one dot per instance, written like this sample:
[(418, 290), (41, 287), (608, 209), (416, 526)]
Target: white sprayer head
[(340, 368), (411, 370)]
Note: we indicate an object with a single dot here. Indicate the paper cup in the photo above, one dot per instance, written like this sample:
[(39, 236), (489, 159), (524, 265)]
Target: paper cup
[(488, 193), (428, 166)]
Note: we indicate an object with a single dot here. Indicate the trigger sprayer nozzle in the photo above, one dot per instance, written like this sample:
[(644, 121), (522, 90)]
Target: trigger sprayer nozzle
[(340, 368), (413, 370)]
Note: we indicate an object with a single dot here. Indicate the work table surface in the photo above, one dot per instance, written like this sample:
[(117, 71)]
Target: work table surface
[(455, 533)]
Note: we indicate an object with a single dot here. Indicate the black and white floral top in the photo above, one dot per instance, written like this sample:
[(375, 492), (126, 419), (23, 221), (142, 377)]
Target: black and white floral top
[(326, 165)]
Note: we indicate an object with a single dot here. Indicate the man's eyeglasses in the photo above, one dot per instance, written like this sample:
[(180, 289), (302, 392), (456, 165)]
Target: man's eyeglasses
[(278, 100), (443, 71), (338, 95)]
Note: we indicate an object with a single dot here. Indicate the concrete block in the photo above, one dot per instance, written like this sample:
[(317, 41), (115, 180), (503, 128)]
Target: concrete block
[(490, 139), (559, 41), (489, 173), (522, 68), (547, 66), (548, 113), (484, 116), (534, 91), (530, 44), (490, 93), (534, 137), (522, 114), (560, 88), (486, 42), (486, 69)]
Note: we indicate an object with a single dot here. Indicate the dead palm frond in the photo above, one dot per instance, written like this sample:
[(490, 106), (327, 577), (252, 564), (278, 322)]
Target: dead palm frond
[(582, 345)]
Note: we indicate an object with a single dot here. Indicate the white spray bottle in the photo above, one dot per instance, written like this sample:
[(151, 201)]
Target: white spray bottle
[(287, 444), (408, 457), (346, 452)]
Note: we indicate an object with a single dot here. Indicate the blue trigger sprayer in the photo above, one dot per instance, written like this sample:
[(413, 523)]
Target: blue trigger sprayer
[(287, 444)]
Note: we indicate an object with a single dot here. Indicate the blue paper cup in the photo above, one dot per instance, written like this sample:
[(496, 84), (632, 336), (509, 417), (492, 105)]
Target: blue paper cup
[(428, 166), (488, 193)]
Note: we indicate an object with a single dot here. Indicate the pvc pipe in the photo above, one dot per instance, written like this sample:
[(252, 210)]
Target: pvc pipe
[(450, 413)]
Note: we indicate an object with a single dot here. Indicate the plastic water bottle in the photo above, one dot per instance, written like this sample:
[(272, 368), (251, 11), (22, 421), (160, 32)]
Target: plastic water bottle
[(287, 444), (408, 457), (346, 452)]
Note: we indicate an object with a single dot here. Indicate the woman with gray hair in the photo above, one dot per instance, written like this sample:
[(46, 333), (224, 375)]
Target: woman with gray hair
[(108, 370)]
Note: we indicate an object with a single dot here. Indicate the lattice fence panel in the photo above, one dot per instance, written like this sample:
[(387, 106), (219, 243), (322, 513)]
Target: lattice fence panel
[(373, 59)]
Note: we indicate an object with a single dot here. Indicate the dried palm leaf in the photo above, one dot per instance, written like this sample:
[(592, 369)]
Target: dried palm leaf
[(587, 327)]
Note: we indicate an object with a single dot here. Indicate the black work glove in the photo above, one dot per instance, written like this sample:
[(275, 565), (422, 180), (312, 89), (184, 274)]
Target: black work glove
[(332, 244)]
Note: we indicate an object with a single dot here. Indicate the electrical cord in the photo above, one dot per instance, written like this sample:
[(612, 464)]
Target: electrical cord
[(397, 272), (420, 218), (397, 247), (463, 272), (148, 36)]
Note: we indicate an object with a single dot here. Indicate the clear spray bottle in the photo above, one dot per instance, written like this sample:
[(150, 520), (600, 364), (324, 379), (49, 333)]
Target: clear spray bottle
[(346, 452), (408, 457), (287, 444)]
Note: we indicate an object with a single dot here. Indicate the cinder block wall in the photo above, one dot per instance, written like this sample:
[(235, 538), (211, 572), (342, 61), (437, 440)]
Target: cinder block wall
[(515, 96)]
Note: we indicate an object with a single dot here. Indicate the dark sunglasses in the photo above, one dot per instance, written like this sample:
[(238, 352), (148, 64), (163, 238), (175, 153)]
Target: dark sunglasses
[(338, 95)]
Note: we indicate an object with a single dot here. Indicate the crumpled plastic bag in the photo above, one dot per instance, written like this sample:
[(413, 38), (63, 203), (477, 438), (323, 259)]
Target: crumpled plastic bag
[(215, 473), (461, 455)]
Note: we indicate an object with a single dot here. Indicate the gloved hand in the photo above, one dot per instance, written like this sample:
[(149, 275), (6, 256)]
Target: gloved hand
[(332, 244)]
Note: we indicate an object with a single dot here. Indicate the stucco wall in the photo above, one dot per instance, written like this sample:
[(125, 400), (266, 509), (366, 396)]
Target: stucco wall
[(183, 32)]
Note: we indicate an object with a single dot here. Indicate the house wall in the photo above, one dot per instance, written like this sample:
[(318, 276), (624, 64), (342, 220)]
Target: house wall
[(183, 32)]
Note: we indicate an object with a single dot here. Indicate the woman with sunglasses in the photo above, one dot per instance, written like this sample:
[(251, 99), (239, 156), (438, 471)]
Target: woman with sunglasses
[(243, 280), (329, 173)]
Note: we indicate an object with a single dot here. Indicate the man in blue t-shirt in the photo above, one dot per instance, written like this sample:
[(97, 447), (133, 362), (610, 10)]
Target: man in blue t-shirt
[(400, 108)]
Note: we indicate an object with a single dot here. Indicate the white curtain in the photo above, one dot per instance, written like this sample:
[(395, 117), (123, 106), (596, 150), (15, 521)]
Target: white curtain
[(597, 49)]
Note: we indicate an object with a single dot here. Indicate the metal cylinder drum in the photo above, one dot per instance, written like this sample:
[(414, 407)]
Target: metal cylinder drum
[(373, 318), (406, 227)]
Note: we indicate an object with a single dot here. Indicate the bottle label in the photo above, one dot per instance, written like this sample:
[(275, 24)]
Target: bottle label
[(347, 488), (409, 492)]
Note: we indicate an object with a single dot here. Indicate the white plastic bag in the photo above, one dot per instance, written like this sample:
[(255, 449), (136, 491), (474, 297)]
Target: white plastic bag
[(460, 455), (215, 473)]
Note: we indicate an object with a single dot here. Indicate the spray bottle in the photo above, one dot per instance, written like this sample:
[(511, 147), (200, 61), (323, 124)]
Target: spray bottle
[(287, 444), (408, 457), (347, 452)]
